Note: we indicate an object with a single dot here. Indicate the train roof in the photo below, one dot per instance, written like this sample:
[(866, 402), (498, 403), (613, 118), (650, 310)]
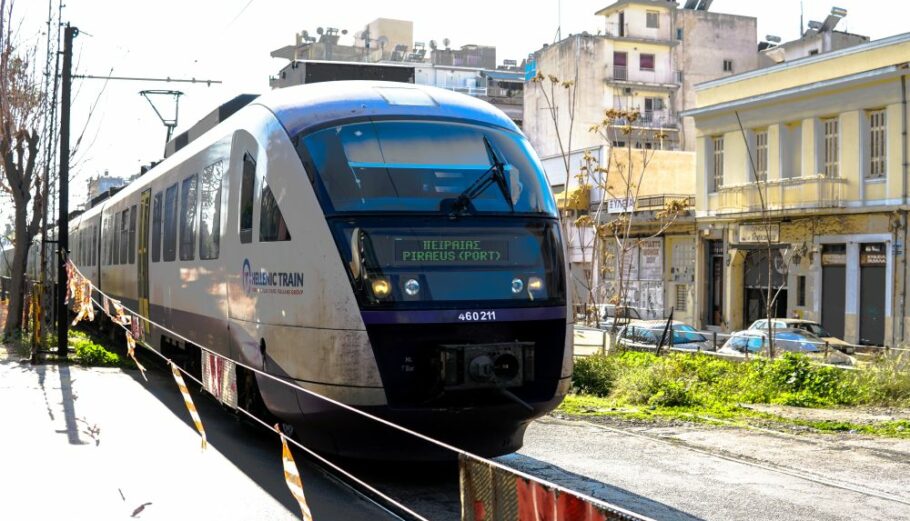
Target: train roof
[(307, 107)]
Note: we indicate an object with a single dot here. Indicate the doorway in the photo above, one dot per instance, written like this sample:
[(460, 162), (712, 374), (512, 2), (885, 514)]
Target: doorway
[(834, 288), (872, 262)]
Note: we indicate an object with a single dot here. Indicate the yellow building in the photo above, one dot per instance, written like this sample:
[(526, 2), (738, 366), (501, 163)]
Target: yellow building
[(811, 158)]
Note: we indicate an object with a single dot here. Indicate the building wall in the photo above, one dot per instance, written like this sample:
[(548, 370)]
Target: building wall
[(857, 59), (813, 211), (708, 39), (581, 57)]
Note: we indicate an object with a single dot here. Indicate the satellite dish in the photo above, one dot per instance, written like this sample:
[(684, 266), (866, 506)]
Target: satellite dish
[(344, 31), (382, 42), (433, 44), (320, 30), (446, 42)]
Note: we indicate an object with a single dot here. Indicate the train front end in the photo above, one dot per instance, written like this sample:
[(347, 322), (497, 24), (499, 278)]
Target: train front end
[(450, 238)]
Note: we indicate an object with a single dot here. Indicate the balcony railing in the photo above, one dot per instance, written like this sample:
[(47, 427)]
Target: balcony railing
[(780, 194), (657, 202), (653, 119), (634, 74), (471, 91)]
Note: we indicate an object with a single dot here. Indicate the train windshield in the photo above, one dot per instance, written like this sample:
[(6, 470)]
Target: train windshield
[(425, 166)]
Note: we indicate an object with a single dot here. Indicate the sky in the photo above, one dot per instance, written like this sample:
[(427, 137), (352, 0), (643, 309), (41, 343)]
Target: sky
[(230, 41)]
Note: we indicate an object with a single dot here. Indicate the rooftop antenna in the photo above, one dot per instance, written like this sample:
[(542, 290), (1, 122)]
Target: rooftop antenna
[(801, 26), (558, 20), (169, 123)]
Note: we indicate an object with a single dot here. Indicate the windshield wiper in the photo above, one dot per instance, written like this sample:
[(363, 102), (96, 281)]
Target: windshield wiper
[(495, 174)]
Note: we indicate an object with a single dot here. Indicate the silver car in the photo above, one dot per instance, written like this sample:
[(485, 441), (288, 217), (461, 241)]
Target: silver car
[(646, 334)]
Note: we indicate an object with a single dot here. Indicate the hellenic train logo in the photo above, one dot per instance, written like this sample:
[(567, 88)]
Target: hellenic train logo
[(247, 276), (273, 282)]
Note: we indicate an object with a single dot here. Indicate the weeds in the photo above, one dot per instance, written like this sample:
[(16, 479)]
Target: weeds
[(686, 380)]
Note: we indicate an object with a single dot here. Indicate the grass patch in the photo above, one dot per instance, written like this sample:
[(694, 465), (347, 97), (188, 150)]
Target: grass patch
[(702, 388)]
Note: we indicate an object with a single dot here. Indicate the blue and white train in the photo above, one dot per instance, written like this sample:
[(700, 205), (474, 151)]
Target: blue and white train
[(390, 246)]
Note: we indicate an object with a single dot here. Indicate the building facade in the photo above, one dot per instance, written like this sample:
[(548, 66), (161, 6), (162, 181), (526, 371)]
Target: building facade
[(646, 57), (802, 185)]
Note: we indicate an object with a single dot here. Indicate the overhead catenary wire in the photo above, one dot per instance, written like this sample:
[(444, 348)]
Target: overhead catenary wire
[(461, 452)]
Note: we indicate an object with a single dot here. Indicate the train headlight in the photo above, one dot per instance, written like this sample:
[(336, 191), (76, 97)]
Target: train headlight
[(381, 288), (412, 287), (517, 285), (535, 284)]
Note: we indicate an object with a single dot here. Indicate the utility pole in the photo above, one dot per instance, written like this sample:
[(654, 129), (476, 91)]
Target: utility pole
[(63, 220)]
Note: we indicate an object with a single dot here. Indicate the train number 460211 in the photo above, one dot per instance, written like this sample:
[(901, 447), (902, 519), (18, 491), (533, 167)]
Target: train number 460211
[(477, 316)]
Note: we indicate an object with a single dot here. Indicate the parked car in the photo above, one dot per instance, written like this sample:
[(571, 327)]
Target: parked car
[(808, 325), (622, 316), (644, 335), (793, 340)]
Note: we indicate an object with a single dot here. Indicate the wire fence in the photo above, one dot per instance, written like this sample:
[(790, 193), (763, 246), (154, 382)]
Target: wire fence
[(614, 511), (739, 345)]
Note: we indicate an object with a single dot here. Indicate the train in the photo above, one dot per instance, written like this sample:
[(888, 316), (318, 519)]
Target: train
[(393, 247)]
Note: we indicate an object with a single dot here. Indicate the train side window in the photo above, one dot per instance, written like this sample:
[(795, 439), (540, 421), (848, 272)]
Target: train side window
[(188, 201), (156, 228), (115, 234), (271, 223), (247, 184), (133, 234), (210, 211), (124, 235), (170, 224), (94, 255)]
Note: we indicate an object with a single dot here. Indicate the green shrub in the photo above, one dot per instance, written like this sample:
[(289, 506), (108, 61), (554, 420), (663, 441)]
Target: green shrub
[(684, 380), (90, 353)]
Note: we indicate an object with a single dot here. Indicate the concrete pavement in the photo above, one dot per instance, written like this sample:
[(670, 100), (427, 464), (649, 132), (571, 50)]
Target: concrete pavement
[(90, 443)]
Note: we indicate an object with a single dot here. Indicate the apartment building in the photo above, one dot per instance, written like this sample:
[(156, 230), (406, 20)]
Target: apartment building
[(646, 56), (802, 167)]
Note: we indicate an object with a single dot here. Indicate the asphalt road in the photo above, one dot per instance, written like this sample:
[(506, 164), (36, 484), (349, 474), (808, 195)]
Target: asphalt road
[(689, 472), (98, 444)]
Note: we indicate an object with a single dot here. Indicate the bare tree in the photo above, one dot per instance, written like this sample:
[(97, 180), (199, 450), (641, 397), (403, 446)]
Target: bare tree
[(21, 98), (621, 177)]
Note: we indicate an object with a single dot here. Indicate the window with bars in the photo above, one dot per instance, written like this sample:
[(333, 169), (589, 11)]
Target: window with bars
[(877, 163), (681, 300), (718, 163), (830, 147), (761, 155)]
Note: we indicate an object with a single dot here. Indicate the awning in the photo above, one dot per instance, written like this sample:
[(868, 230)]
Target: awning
[(578, 198)]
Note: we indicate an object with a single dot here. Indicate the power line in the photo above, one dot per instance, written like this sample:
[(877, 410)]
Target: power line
[(133, 78)]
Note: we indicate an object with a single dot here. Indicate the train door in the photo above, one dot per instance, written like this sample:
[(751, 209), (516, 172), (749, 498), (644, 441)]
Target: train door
[(143, 261), (243, 185)]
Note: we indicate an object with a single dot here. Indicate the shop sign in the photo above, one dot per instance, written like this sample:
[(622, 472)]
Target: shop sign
[(758, 233), (620, 205), (873, 255)]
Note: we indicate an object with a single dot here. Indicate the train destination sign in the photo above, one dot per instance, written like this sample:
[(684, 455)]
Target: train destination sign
[(451, 251)]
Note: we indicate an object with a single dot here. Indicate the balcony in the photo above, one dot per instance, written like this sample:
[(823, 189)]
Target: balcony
[(780, 195), (639, 32), (623, 75), (659, 202), (664, 119)]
